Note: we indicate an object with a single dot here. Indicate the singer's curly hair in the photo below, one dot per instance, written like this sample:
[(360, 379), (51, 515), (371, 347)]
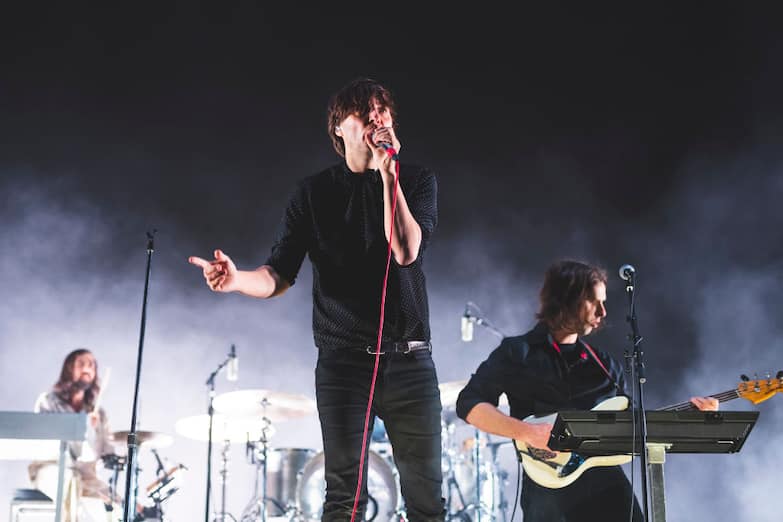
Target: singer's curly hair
[(357, 98), (64, 387), (567, 284)]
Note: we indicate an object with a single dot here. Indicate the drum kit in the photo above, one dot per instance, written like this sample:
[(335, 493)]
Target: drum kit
[(167, 480), (289, 482)]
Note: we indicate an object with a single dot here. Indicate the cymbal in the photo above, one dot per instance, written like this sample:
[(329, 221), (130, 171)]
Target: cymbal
[(449, 391), (275, 406), (148, 439), (233, 429)]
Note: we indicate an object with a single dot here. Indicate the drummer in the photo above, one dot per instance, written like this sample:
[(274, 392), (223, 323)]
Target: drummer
[(78, 390)]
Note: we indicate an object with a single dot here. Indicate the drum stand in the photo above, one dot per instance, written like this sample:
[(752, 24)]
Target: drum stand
[(453, 489), (502, 478), (223, 480), (256, 509), (476, 509), (116, 464)]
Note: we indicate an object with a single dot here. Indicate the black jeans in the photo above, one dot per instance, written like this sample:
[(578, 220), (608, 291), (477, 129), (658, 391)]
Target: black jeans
[(601, 494), (408, 400)]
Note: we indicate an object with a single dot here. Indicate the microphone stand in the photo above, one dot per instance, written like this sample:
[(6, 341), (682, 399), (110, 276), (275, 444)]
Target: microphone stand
[(211, 413), (480, 320), (130, 503), (636, 357), (486, 324)]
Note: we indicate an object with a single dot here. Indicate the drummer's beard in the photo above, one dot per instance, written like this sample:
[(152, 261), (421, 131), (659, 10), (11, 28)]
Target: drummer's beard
[(82, 385)]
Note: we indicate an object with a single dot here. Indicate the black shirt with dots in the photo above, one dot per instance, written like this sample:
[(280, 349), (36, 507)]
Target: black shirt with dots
[(336, 218)]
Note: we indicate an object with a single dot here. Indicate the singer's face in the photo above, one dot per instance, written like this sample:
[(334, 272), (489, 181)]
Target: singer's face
[(84, 369), (355, 127), (593, 310)]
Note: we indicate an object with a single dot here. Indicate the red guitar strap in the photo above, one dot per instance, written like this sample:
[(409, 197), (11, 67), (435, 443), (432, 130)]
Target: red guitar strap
[(601, 364), (595, 358)]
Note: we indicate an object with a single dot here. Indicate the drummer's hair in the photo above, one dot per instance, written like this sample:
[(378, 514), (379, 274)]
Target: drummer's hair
[(567, 284), (356, 98), (64, 387)]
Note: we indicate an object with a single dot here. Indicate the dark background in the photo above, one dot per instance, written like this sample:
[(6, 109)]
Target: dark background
[(648, 135)]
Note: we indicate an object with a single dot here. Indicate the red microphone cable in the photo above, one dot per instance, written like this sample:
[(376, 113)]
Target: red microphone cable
[(393, 153)]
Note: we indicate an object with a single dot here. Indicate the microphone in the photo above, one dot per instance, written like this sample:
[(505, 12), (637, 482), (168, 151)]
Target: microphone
[(627, 272), (467, 326), (232, 371), (387, 147)]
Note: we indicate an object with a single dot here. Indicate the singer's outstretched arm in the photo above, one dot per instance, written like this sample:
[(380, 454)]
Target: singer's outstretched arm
[(222, 275)]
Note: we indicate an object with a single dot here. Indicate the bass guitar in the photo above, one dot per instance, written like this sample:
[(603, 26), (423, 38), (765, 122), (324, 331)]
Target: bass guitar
[(557, 470)]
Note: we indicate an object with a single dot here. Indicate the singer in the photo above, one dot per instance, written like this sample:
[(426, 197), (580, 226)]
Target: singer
[(341, 217), (552, 368)]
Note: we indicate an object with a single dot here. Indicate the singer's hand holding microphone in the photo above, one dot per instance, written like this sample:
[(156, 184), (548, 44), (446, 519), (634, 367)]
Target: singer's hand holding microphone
[(385, 147)]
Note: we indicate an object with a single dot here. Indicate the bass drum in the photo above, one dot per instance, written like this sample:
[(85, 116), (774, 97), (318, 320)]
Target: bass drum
[(381, 486)]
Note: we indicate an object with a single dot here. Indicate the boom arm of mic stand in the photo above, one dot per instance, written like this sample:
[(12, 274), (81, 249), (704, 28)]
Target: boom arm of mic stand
[(486, 324), (211, 380)]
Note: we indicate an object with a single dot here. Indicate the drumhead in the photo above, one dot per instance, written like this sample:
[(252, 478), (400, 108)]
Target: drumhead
[(381, 488)]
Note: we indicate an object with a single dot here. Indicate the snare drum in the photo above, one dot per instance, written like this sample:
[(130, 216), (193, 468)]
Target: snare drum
[(381, 486)]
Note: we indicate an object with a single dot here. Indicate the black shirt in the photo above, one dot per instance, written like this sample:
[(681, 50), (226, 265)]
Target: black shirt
[(336, 217), (538, 379)]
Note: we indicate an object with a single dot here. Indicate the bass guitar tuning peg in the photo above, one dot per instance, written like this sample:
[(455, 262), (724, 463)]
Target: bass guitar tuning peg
[(744, 377)]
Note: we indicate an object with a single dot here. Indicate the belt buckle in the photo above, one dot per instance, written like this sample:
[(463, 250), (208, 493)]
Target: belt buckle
[(407, 348), (371, 350)]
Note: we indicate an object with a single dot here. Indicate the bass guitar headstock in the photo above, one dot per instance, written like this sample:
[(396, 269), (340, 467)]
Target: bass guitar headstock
[(759, 390)]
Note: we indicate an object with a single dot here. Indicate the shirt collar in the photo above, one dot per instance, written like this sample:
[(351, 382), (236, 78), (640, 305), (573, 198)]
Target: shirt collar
[(369, 175)]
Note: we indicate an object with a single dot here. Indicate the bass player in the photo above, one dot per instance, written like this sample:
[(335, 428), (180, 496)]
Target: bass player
[(548, 369)]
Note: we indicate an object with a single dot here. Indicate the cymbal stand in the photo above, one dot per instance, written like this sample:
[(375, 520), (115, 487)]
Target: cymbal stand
[(477, 457), (453, 490), (480, 509), (116, 464), (211, 414), (257, 506), (224, 480), (502, 478)]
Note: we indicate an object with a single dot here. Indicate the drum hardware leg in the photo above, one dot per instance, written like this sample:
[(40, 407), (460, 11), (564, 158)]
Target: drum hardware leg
[(224, 480), (477, 456), (256, 508), (453, 486), (267, 423)]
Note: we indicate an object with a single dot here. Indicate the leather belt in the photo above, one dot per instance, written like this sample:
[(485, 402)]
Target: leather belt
[(400, 347)]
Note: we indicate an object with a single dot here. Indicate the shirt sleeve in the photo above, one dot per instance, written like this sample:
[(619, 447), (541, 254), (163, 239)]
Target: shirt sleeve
[(486, 385), (103, 436), (41, 404), (293, 237), (423, 204)]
